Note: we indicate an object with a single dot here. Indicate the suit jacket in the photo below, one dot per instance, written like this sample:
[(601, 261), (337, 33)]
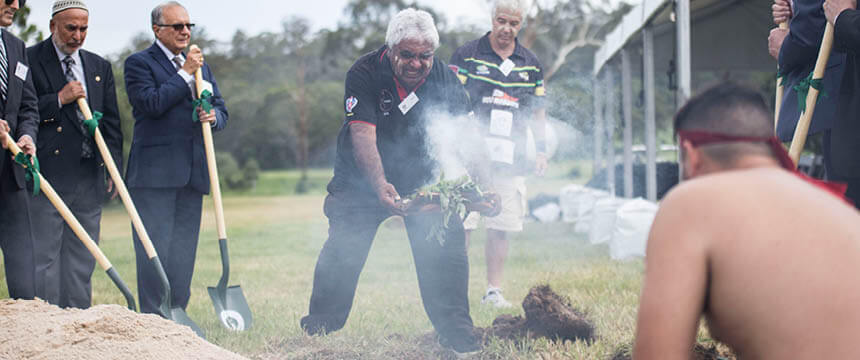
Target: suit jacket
[(845, 137), (167, 147), (797, 58), (20, 109), (59, 146)]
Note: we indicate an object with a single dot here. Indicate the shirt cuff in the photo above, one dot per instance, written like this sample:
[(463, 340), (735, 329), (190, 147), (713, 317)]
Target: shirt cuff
[(185, 76)]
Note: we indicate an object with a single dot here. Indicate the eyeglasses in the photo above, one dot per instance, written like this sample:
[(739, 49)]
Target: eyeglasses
[(20, 2), (408, 55), (177, 27)]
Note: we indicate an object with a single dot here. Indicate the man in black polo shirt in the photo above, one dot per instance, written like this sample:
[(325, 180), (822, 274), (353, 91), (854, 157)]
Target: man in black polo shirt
[(505, 84), (391, 96)]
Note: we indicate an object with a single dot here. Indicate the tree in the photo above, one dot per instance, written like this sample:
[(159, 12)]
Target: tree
[(23, 30)]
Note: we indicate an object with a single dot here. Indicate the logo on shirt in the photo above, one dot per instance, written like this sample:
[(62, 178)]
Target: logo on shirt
[(351, 103), (524, 75), (482, 70), (386, 101)]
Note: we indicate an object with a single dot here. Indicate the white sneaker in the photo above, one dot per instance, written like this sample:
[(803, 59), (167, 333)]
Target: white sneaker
[(494, 297)]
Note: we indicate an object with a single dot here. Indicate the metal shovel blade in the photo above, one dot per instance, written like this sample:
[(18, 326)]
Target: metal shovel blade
[(177, 314), (231, 307), (230, 304), (180, 317)]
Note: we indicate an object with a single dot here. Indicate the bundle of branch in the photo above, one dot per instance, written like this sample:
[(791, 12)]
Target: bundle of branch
[(456, 197)]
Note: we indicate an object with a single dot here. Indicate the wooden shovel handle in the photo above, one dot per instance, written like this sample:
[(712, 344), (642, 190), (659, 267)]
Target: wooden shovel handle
[(215, 185), (802, 129), (119, 183), (780, 90), (65, 213)]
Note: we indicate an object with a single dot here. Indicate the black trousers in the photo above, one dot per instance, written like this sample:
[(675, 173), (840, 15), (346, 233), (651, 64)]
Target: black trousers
[(64, 266), (171, 217), (853, 192), (443, 271), (16, 241)]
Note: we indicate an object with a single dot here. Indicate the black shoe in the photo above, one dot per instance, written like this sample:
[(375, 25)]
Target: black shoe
[(463, 348)]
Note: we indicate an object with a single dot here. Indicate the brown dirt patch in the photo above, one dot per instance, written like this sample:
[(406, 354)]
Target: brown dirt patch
[(548, 315), (34, 329)]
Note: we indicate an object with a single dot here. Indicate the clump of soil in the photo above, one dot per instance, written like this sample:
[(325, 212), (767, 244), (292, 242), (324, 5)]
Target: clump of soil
[(699, 352), (34, 329), (548, 315)]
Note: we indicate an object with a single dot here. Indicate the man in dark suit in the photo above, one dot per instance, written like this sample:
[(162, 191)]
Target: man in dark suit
[(167, 171), (845, 143), (20, 119), (796, 50), (68, 155)]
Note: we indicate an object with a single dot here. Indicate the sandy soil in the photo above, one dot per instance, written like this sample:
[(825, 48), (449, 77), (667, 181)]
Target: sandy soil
[(34, 329)]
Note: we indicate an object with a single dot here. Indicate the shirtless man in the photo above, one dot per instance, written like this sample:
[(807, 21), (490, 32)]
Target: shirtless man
[(768, 258)]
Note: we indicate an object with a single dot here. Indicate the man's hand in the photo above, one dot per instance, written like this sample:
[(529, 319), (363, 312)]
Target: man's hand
[(193, 61), (390, 199), (774, 41), (4, 132), (27, 145), (205, 117), (71, 92), (111, 189), (781, 11), (495, 202), (832, 8), (541, 164)]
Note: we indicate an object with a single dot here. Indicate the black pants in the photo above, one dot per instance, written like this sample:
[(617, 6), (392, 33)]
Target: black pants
[(16, 241), (443, 271), (853, 192), (171, 217), (64, 266)]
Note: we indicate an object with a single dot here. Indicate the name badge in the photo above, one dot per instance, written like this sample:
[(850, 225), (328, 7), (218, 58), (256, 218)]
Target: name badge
[(501, 122), (506, 67), (21, 71), (408, 103), (501, 150)]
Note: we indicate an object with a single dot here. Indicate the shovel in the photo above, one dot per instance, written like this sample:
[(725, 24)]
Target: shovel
[(230, 304), (176, 314), (802, 129), (78, 229), (779, 88)]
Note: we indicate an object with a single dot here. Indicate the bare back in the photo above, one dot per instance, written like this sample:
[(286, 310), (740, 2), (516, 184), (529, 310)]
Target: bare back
[(770, 260)]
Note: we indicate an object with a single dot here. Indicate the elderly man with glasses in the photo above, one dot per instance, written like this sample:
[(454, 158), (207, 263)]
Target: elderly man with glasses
[(392, 95), (167, 172), (19, 118), (69, 158)]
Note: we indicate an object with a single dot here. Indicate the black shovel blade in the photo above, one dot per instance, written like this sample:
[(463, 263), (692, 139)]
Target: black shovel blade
[(231, 307), (180, 317)]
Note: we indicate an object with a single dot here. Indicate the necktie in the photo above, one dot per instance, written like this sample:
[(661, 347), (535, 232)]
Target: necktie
[(177, 61), (87, 145), (3, 72)]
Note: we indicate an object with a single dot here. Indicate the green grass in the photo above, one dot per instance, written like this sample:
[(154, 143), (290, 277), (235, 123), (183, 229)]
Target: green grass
[(274, 240)]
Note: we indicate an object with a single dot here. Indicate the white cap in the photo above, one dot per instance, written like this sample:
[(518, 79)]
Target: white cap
[(61, 5)]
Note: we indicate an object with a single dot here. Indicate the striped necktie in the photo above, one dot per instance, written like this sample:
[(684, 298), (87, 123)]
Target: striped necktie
[(4, 66), (87, 144)]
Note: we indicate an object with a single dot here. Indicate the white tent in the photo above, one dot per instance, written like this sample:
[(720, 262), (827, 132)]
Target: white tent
[(694, 36)]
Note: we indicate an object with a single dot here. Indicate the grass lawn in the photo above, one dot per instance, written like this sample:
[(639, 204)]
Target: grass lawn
[(275, 237)]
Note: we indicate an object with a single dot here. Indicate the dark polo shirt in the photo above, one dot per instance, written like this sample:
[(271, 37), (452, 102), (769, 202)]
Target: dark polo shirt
[(373, 97), (519, 92)]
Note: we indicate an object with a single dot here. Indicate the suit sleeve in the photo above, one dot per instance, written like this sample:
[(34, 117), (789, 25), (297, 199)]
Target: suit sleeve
[(847, 31), (217, 101), (147, 96), (28, 113), (800, 47), (111, 126)]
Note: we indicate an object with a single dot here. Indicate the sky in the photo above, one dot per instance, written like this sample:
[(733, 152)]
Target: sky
[(113, 23)]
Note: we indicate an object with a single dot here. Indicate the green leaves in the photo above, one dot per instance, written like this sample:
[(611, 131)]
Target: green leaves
[(453, 196)]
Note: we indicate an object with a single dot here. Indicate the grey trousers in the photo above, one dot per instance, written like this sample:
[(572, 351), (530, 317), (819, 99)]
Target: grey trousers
[(16, 241)]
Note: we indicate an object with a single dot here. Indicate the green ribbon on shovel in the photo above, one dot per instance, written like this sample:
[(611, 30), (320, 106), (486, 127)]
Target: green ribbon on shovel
[(93, 124), (780, 78), (802, 89), (202, 102), (31, 166)]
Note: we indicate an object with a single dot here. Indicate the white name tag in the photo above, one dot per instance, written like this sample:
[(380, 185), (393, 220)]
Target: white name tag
[(501, 122), (207, 86), (501, 150), (506, 67), (21, 71), (408, 103)]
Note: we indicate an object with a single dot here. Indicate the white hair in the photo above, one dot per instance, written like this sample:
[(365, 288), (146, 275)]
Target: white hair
[(414, 25), (517, 6)]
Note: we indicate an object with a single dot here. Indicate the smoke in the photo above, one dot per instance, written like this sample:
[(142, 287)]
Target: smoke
[(455, 143)]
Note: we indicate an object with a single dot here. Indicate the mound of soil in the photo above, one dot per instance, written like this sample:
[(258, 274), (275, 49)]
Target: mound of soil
[(34, 329), (548, 315), (699, 352)]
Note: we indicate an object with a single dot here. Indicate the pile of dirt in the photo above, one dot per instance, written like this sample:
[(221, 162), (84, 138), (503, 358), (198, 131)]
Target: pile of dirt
[(34, 329), (548, 315), (699, 352)]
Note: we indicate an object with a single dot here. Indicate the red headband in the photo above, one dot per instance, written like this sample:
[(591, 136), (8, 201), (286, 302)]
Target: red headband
[(699, 138)]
